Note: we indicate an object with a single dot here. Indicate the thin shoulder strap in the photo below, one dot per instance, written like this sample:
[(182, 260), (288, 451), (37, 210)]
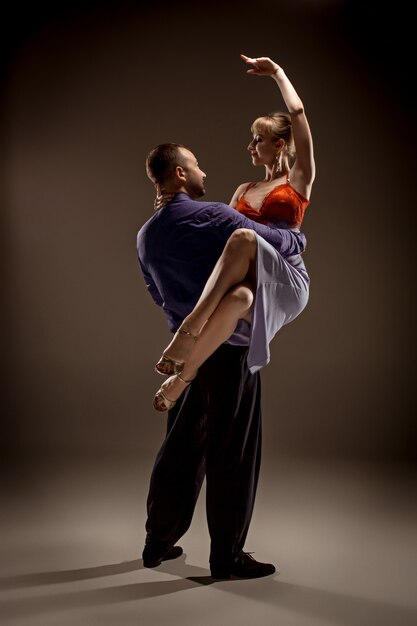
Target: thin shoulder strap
[(248, 186)]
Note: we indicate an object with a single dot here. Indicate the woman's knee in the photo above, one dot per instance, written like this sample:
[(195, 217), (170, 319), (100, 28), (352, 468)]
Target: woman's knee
[(241, 295), (243, 237)]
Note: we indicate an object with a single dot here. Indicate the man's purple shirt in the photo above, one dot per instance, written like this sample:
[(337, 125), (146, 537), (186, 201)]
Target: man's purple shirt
[(180, 244)]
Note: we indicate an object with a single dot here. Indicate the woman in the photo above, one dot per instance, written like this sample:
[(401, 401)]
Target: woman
[(251, 280)]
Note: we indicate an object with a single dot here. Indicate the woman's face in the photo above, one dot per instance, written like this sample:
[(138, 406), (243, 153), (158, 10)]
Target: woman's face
[(263, 149)]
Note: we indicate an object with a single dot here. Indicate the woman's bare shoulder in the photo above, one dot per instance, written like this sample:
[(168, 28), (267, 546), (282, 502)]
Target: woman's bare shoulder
[(239, 190)]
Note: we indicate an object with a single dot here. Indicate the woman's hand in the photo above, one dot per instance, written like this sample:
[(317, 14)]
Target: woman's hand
[(162, 198), (262, 65)]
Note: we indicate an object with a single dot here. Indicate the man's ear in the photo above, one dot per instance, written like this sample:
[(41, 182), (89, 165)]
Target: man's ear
[(180, 173)]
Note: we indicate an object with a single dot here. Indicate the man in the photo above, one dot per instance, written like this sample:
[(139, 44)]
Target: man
[(214, 430)]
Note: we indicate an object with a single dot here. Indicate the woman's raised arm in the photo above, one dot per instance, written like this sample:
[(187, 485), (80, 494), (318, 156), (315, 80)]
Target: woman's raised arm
[(303, 170)]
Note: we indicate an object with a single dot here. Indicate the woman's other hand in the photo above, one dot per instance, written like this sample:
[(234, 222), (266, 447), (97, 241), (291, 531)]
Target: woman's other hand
[(262, 65), (162, 198)]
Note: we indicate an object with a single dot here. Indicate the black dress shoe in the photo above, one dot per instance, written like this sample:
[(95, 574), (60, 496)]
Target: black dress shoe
[(244, 566), (153, 556)]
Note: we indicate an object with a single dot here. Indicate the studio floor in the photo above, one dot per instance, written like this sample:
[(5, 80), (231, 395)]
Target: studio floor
[(342, 536)]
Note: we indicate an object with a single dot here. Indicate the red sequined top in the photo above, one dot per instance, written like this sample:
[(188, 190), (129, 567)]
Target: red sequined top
[(283, 202)]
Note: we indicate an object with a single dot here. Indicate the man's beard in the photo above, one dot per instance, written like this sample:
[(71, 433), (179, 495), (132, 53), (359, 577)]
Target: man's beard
[(198, 192)]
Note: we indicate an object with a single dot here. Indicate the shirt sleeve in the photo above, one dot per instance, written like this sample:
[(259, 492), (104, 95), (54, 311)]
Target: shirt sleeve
[(286, 242), (150, 285)]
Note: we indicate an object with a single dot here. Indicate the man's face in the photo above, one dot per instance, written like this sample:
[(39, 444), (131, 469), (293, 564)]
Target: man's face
[(194, 183)]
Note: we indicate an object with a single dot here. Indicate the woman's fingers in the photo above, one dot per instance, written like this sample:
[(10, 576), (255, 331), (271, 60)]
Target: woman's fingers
[(162, 200), (248, 59), (261, 65)]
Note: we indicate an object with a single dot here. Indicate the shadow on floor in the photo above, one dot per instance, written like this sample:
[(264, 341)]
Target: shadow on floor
[(66, 576), (338, 608)]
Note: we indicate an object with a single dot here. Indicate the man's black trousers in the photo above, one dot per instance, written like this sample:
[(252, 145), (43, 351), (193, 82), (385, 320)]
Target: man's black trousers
[(213, 431)]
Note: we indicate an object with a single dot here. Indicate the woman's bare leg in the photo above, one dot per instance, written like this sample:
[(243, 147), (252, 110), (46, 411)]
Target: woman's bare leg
[(235, 305), (236, 263)]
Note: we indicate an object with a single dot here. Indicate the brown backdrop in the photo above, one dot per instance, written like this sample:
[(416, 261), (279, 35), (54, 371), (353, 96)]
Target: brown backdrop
[(89, 90)]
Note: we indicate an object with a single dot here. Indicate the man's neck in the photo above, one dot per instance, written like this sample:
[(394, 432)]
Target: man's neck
[(172, 189)]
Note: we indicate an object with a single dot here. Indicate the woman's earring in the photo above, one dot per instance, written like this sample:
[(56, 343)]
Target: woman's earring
[(278, 161)]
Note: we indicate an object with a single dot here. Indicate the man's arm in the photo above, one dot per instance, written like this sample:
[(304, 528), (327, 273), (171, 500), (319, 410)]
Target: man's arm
[(150, 285), (286, 242)]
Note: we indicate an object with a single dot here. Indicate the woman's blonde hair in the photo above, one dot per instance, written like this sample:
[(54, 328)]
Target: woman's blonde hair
[(278, 126)]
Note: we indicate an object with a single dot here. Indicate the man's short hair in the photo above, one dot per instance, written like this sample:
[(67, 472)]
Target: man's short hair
[(162, 161)]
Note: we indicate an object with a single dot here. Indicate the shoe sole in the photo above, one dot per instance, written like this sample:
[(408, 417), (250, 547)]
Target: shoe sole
[(230, 575)]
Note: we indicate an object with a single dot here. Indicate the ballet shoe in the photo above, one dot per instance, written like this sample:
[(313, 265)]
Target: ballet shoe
[(161, 403), (170, 367)]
